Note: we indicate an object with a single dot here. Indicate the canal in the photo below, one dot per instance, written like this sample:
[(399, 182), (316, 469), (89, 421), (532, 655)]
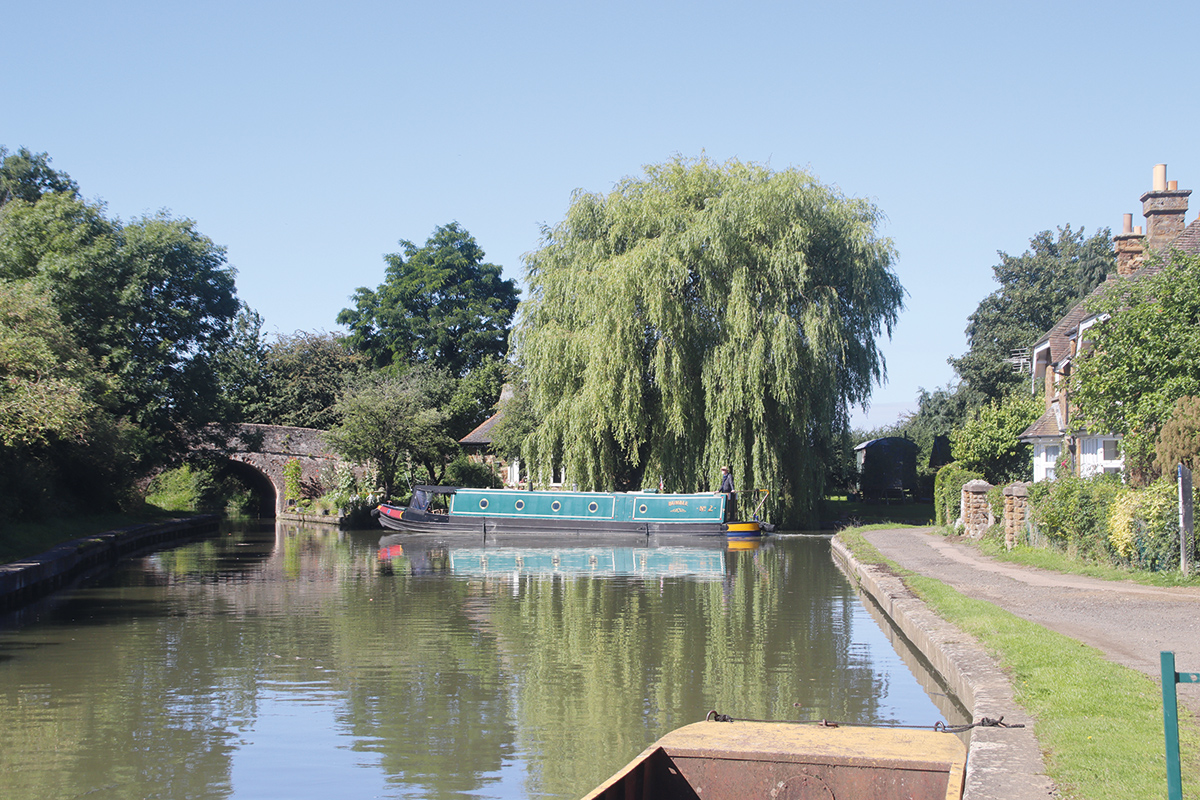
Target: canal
[(303, 662)]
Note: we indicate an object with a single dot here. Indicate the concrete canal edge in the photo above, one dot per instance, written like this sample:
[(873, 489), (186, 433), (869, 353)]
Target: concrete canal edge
[(1002, 763), (28, 579)]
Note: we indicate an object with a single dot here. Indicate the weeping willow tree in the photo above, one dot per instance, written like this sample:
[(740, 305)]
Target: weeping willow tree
[(701, 315)]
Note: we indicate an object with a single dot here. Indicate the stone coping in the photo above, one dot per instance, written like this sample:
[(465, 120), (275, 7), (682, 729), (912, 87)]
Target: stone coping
[(27, 579), (1002, 763)]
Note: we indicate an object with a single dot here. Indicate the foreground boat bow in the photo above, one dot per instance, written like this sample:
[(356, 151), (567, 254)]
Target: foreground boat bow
[(787, 761)]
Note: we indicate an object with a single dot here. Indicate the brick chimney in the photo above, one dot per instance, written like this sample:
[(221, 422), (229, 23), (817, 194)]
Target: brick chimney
[(1164, 207), (1131, 247)]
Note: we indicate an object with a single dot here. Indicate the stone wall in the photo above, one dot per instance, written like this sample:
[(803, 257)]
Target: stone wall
[(1016, 512), (976, 516)]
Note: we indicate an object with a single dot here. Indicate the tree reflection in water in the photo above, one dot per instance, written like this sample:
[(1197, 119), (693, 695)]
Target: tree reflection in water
[(441, 669)]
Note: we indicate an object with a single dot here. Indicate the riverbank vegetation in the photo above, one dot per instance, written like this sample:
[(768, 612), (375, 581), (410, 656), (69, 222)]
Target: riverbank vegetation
[(698, 315), (26, 539), (1099, 724)]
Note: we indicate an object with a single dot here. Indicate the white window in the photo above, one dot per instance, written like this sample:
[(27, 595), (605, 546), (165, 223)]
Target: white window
[(1044, 457), (1098, 456)]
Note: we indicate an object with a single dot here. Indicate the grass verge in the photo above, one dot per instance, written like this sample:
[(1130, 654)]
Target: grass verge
[(1045, 558), (24, 539), (1099, 724)]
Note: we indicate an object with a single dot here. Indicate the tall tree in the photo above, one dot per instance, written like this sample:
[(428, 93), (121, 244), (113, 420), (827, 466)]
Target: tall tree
[(705, 314), (439, 304), (151, 301), (395, 422), (304, 375), (1142, 358), (58, 443), (27, 176), (1036, 289), (988, 441)]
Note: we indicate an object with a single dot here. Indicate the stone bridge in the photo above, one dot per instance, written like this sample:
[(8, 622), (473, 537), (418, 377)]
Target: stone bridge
[(258, 453)]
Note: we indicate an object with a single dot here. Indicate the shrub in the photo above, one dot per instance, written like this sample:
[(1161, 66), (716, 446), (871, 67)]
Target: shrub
[(292, 489), (199, 487), (1179, 440), (464, 472), (1072, 513), (1143, 526), (947, 491)]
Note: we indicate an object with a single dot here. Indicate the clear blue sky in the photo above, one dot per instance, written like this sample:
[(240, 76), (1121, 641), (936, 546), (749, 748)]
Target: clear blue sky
[(309, 137)]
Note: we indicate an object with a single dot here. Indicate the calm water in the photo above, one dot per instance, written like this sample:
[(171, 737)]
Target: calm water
[(308, 663)]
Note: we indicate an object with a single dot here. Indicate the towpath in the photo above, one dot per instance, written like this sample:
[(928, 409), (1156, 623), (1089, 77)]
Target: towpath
[(1128, 622)]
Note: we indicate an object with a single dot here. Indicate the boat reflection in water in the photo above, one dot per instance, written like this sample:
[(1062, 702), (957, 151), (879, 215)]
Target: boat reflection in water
[(465, 556)]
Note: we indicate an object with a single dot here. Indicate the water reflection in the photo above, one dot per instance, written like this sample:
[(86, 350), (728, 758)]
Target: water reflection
[(300, 662)]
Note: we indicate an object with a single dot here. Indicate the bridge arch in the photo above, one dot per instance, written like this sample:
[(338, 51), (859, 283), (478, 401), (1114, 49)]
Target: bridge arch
[(258, 454)]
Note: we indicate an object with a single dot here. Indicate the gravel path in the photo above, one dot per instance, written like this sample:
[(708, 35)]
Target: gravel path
[(1128, 622)]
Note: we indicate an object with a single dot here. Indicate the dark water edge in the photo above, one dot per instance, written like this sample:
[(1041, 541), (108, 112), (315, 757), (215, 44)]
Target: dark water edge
[(297, 662)]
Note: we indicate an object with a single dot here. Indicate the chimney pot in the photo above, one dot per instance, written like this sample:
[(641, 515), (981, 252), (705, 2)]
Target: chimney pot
[(1172, 186), (1137, 229), (1128, 225), (1160, 178)]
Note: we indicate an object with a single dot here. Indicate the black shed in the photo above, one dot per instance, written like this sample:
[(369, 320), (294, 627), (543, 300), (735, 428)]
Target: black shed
[(887, 468)]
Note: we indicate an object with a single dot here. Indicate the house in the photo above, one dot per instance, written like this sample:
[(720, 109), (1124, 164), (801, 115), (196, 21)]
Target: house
[(478, 444), (1056, 440)]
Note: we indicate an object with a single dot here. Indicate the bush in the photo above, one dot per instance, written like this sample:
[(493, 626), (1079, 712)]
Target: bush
[(199, 487), (947, 491), (1179, 440), (473, 474), (1072, 513), (1143, 526), (989, 441)]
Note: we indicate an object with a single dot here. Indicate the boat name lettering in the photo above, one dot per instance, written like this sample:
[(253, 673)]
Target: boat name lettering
[(677, 502)]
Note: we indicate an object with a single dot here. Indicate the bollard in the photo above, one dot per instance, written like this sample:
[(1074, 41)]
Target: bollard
[(1171, 720)]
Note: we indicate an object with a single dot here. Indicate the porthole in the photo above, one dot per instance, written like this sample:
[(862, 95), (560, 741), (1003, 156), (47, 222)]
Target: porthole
[(520, 505), (642, 508), (483, 503), (555, 506), (592, 507)]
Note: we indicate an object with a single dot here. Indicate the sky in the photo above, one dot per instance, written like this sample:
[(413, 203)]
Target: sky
[(309, 138)]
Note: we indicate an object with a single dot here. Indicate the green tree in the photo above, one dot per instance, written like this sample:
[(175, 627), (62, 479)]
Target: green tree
[(474, 397), (988, 442), (58, 445), (705, 314), (27, 176), (304, 374), (439, 304), (239, 367), (1179, 441), (395, 422), (45, 390), (151, 302), (1036, 289), (1141, 358)]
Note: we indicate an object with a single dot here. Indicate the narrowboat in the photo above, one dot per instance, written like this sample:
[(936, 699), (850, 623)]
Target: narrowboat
[(737, 760), (452, 509)]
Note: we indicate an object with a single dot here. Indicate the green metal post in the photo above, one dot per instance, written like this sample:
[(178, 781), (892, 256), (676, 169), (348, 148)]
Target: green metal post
[(1171, 720), (1171, 726)]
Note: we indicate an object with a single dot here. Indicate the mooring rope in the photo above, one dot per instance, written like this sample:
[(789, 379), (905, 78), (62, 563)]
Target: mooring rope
[(940, 727)]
